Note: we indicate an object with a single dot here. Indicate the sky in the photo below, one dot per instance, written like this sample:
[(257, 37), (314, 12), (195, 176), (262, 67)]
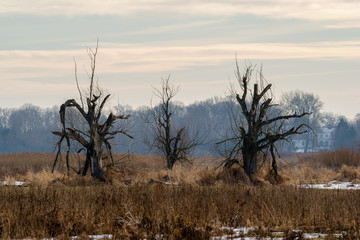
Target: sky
[(311, 46)]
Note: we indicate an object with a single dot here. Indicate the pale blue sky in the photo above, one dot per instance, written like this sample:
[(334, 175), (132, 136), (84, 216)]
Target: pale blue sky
[(312, 46)]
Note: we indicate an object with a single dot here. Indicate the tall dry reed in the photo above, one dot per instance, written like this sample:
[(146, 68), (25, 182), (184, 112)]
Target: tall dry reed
[(173, 212)]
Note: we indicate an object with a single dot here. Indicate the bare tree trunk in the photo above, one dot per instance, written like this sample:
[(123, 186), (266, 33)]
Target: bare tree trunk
[(95, 158), (170, 162), (86, 164), (250, 164), (95, 152), (249, 152), (306, 148)]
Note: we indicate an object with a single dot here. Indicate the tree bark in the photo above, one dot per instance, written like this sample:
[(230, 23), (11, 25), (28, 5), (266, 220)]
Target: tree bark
[(249, 153), (95, 152), (170, 162)]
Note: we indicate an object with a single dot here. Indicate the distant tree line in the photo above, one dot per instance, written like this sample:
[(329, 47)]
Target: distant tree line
[(28, 128)]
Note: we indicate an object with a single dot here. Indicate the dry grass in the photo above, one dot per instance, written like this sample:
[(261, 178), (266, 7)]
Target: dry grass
[(141, 199), (174, 212), (348, 173), (331, 160), (44, 177), (322, 167), (304, 168), (19, 163)]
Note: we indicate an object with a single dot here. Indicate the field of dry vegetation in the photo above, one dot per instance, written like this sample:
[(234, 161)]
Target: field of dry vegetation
[(140, 199)]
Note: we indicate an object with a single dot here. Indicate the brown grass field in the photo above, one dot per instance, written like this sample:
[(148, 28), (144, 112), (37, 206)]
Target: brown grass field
[(140, 199)]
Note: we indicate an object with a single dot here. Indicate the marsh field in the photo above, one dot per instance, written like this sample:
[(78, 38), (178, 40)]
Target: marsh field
[(142, 200)]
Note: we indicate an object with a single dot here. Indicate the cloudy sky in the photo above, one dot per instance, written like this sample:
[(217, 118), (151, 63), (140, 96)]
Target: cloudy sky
[(313, 46)]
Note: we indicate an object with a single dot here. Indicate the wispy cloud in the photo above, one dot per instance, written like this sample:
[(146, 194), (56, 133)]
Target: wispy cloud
[(344, 25), (175, 27), (301, 9), (117, 58), (47, 77), (57, 67)]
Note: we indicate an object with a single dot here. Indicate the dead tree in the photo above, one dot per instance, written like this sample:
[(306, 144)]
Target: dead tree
[(99, 130), (256, 130), (173, 143)]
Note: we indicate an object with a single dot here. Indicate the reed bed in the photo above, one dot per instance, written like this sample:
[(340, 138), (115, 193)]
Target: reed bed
[(172, 212), (141, 199)]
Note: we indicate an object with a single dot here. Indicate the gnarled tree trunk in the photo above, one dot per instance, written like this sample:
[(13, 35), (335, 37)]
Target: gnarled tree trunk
[(258, 132), (98, 133)]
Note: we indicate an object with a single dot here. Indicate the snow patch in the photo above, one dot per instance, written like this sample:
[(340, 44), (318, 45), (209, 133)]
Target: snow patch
[(94, 237), (334, 185), (104, 236), (242, 232), (16, 183)]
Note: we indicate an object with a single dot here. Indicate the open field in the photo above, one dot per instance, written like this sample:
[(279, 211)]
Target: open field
[(143, 200), (176, 212), (35, 168)]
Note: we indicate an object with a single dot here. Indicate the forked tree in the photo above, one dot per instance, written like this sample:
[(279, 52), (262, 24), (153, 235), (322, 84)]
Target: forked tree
[(173, 142), (99, 130), (256, 129)]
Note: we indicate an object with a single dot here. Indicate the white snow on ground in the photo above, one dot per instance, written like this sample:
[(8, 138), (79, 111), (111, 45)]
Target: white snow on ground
[(322, 235), (314, 235), (104, 236), (240, 234), (16, 183), (333, 185), (237, 232), (94, 237)]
